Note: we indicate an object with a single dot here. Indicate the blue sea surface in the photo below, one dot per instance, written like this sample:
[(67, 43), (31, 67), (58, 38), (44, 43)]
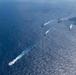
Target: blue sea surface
[(20, 27)]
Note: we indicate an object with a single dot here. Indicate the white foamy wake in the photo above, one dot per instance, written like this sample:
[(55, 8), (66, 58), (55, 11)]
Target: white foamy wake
[(47, 32), (47, 23), (71, 26), (22, 54)]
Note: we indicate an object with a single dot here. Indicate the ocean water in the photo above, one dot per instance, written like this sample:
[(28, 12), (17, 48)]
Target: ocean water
[(20, 27)]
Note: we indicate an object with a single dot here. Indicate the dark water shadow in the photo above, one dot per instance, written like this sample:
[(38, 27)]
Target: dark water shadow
[(72, 19)]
